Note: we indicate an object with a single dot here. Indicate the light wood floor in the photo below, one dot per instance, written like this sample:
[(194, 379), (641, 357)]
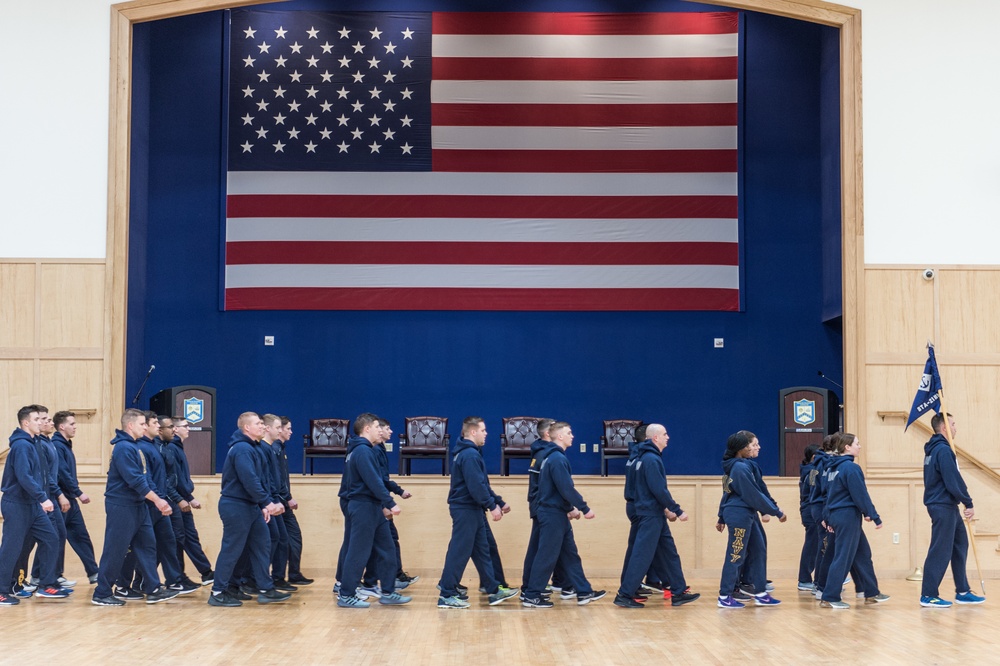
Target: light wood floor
[(310, 629)]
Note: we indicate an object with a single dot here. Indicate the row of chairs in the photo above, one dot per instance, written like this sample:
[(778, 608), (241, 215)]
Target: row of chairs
[(427, 438)]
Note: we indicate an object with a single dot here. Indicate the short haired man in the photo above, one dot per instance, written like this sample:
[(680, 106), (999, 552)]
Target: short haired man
[(24, 504), (470, 495), (50, 460), (366, 497), (653, 504), (295, 575), (245, 507), (76, 528), (540, 450), (185, 530), (275, 482), (558, 502), (944, 490), (128, 523)]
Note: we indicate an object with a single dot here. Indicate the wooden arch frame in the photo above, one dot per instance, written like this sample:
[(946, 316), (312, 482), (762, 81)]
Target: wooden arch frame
[(125, 15)]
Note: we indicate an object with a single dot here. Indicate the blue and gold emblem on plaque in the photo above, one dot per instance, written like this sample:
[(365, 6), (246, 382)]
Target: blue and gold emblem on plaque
[(194, 410), (805, 411)]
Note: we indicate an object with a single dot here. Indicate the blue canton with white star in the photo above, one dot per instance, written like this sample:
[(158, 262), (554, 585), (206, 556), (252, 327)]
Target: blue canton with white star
[(313, 91)]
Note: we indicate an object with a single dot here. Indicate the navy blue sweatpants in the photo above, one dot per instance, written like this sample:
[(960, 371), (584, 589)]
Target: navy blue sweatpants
[(468, 540), (810, 546), (555, 543), (279, 546), (746, 549), (24, 523), (654, 545), (243, 526), (59, 525), (79, 538), (949, 545), (188, 541), (294, 542), (851, 552), (369, 529), (127, 524)]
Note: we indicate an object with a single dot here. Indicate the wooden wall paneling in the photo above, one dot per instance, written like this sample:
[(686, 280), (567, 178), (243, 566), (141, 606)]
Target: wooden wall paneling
[(17, 304), (72, 305), (900, 311), (17, 388), (969, 308), (76, 384)]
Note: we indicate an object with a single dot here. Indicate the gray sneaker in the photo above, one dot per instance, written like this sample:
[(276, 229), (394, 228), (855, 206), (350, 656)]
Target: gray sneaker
[(502, 595), (394, 599), (837, 605), (352, 602), (452, 602), (877, 599)]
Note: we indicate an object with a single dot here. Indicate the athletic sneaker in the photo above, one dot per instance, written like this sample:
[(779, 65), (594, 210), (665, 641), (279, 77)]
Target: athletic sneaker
[(684, 598), (21, 592), (536, 602), (625, 602), (223, 599), (65, 583), (53, 592), (934, 602), (847, 581), (300, 580), (877, 599), (9, 600), (401, 585), (452, 602), (968, 598), (567, 593), (740, 595), (404, 577), (641, 598), (107, 601), (208, 577), (818, 593), (183, 587), (765, 600), (652, 586), (236, 593), (366, 591), (33, 583), (587, 597), (272, 596), (729, 602), (284, 585), (92, 579), (667, 594), (836, 605), (394, 599), (351, 602), (336, 588), (769, 586), (161, 594), (127, 594), (807, 587), (462, 589), (502, 595)]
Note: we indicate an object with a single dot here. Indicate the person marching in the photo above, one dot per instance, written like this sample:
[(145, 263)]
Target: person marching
[(185, 531), (295, 575), (846, 503), (469, 497), (76, 529), (653, 541), (742, 499), (944, 490), (810, 546)]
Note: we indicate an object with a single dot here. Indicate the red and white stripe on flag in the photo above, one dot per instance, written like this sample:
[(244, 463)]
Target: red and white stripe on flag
[(580, 162)]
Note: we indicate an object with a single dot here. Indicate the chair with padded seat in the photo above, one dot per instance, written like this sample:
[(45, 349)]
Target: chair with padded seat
[(618, 434), (516, 438), (327, 438), (424, 438)]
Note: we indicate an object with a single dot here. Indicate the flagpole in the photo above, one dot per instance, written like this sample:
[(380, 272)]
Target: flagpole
[(968, 522)]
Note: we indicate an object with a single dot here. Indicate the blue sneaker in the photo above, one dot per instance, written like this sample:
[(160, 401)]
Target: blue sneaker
[(807, 587), (729, 602), (23, 593), (352, 602), (969, 598), (394, 599), (765, 600), (934, 602), (452, 603)]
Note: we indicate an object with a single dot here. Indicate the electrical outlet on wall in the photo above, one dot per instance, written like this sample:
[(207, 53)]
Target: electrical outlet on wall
[(583, 447), (597, 448)]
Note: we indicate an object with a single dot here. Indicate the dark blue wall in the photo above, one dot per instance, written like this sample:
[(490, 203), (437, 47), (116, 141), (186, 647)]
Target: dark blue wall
[(582, 366)]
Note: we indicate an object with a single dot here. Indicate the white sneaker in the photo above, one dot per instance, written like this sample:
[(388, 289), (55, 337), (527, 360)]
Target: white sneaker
[(65, 583)]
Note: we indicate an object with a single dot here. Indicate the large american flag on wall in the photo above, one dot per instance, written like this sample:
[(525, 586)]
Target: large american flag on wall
[(482, 161)]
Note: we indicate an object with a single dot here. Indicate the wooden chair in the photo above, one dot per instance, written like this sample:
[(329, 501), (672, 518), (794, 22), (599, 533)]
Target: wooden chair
[(424, 437), (327, 438), (519, 433), (618, 434)]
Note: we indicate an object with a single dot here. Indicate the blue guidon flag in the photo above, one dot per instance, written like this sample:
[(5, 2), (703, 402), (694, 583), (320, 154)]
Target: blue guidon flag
[(928, 391), (482, 161)]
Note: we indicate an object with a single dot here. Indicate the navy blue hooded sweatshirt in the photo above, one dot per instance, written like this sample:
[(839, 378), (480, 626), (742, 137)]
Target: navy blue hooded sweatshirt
[(185, 486), (170, 465), (470, 485), (272, 466), (51, 461), (943, 484), (22, 472), (155, 466), (740, 488), (847, 489), (633, 457), (68, 482), (556, 491), (649, 482), (243, 470), (128, 478), (382, 456), (817, 491), (540, 450), (362, 476)]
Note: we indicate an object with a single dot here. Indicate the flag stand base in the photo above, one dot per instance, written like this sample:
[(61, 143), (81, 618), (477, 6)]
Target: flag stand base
[(918, 574)]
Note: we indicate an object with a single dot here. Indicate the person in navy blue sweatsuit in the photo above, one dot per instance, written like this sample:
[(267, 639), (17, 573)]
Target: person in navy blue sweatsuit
[(245, 507), (847, 502), (558, 503), (810, 545), (653, 541), (50, 458), (128, 523), (742, 500), (540, 450), (366, 497), (469, 496), (944, 490), (76, 529), (274, 481), (370, 578), (190, 543), (24, 505), (295, 575)]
